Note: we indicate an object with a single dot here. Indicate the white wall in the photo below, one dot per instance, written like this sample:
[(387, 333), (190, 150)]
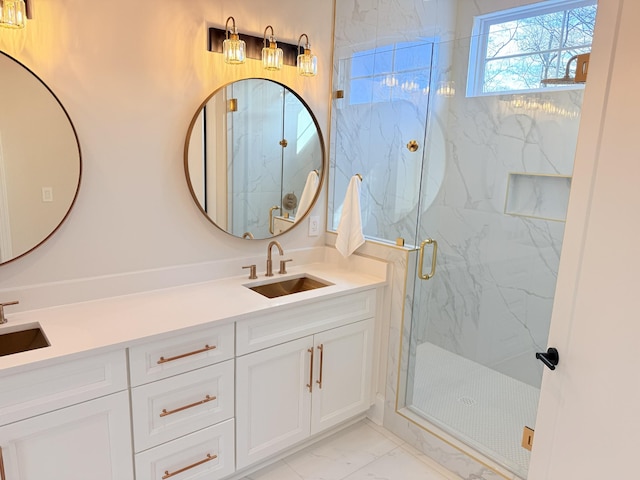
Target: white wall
[(131, 75)]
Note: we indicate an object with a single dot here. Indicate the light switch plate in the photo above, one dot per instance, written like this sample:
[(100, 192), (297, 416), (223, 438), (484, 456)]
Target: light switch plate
[(314, 226), (47, 194)]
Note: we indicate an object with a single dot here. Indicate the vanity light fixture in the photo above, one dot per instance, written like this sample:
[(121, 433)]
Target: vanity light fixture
[(233, 48), (14, 13), (253, 45), (307, 63), (271, 55)]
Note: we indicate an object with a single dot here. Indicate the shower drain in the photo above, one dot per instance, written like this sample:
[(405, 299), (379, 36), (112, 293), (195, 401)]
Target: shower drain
[(469, 402)]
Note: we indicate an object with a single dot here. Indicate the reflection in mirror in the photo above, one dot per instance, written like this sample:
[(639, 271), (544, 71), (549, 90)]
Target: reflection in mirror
[(254, 158), (40, 163)]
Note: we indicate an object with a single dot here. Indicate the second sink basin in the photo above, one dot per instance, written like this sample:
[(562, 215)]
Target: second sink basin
[(287, 287), (22, 341)]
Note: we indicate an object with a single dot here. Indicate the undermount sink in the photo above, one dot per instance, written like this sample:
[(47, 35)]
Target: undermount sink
[(22, 341), (281, 288)]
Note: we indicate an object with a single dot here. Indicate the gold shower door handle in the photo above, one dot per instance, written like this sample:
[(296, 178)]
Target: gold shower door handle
[(434, 257), (275, 207)]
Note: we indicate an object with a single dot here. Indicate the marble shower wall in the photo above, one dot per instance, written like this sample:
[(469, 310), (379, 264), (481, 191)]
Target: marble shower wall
[(370, 138), (261, 170), (491, 300), (256, 167)]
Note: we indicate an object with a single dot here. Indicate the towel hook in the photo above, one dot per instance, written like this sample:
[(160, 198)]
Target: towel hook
[(359, 176)]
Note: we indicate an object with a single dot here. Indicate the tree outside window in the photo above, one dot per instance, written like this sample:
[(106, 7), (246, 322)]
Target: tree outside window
[(513, 50)]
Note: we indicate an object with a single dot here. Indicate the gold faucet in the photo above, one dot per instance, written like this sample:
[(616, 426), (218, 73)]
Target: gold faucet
[(269, 261), (3, 319)]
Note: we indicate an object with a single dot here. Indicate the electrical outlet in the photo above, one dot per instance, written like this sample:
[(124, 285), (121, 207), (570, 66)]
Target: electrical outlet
[(314, 226)]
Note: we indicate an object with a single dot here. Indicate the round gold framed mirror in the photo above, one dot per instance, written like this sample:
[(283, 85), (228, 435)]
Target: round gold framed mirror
[(40, 161), (254, 158)]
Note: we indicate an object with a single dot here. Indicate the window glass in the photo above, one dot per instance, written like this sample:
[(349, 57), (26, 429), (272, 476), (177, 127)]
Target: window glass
[(513, 50), (390, 72)]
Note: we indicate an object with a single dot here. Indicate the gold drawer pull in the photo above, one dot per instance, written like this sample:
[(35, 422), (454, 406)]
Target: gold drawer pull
[(2, 476), (172, 474), (206, 399), (177, 357)]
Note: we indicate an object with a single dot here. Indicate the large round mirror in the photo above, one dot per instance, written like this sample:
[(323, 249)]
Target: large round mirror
[(254, 158), (40, 163)]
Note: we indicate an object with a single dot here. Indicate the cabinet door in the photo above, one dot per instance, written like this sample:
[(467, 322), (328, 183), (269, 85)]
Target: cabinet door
[(272, 400), (91, 440), (342, 379)]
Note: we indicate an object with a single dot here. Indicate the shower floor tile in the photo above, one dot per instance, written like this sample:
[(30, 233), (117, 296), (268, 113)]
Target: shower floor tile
[(480, 406)]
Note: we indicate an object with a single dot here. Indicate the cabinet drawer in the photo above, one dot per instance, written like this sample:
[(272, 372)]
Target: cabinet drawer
[(26, 394), (207, 454), (175, 406), (178, 354), (298, 321)]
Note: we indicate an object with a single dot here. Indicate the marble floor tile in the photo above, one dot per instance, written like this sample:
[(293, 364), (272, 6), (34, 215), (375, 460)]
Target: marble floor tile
[(398, 464), (277, 471), (363, 451), (340, 455)]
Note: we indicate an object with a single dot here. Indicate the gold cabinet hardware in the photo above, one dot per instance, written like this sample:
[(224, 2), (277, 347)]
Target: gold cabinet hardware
[(189, 467), (2, 475), (434, 256), (177, 357), (232, 105), (412, 146), (319, 381), (310, 384), (284, 143), (339, 93), (206, 399)]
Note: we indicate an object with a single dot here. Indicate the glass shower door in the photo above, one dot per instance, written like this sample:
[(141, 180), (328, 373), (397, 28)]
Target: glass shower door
[(495, 181)]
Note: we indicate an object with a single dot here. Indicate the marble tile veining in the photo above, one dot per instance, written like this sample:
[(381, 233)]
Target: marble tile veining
[(361, 451)]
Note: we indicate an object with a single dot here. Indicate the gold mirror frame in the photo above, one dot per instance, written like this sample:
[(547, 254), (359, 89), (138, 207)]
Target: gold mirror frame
[(231, 105), (67, 194)]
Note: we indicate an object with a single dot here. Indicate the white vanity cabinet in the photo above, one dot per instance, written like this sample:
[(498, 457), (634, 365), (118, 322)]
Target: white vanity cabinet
[(302, 386), (76, 438), (182, 399)]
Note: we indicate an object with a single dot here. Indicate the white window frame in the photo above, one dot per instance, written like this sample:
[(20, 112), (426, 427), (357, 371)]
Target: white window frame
[(480, 39)]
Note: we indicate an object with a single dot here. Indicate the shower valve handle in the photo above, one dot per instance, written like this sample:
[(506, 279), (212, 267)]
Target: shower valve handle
[(550, 359)]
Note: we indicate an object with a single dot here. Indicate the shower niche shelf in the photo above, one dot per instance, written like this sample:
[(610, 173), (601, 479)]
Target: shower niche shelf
[(536, 195)]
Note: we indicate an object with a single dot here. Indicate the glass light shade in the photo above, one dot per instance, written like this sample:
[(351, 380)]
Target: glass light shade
[(446, 89), (234, 50), (272, 56), (307, 64), (13, 14)]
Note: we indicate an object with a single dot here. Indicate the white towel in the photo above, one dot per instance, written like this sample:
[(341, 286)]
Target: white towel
[(350, 235), (309, 191)]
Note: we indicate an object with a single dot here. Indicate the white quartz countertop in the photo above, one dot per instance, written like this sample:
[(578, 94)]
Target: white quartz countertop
[(117, 322)]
